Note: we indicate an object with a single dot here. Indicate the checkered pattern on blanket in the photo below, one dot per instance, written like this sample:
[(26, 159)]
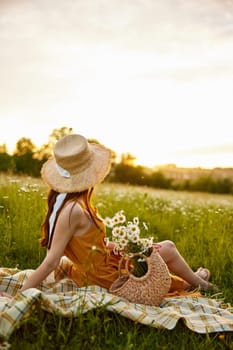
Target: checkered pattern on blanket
[(200, 314)]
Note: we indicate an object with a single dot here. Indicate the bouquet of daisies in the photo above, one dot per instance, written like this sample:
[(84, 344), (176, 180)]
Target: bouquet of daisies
[(127, 241)]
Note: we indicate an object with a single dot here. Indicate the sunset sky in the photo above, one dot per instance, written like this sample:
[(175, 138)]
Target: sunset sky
[(153, 78)]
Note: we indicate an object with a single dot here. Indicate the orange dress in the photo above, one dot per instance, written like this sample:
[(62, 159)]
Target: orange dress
[(93, 263)]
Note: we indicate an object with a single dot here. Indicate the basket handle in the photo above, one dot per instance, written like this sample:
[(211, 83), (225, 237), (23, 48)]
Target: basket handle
[(128, 261)]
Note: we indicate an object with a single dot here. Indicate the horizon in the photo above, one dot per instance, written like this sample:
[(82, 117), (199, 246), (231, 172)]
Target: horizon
[(206, 152)]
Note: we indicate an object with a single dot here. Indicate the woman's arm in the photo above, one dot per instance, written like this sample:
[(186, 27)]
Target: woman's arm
[(63, 232)]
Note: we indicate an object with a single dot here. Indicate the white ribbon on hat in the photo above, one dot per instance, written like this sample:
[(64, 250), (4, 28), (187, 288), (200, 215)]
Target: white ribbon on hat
[(57, 205), (63, 172)]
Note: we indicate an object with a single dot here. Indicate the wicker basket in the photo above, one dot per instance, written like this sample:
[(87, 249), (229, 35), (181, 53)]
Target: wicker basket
[(151, 288)]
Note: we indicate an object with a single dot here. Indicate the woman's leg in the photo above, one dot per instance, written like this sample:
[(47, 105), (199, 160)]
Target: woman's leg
[(179, 266)]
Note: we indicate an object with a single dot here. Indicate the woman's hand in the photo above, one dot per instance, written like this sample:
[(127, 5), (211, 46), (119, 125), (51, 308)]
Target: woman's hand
[(5, 295)]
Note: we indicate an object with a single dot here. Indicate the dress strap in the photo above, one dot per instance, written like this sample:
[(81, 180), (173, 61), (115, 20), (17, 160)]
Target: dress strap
[(57, 205)]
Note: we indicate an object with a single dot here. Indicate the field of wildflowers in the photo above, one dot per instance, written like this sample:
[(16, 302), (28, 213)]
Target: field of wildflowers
[(200, 224)]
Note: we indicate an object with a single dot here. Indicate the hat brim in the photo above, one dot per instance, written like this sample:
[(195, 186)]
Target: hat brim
[(95, 173)]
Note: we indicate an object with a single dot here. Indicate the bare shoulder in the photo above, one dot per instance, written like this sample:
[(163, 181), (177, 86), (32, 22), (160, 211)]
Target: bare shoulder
[(74, 218), (73, 210)]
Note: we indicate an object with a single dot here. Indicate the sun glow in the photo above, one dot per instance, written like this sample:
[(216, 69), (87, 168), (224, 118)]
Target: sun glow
[(118, 81)]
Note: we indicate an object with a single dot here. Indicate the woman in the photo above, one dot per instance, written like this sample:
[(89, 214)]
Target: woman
[(72, 227)]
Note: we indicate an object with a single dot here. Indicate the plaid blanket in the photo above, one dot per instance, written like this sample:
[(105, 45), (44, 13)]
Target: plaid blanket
[(199, 313)]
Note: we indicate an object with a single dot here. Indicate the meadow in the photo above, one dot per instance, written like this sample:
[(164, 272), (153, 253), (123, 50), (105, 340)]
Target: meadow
[(200, 224)]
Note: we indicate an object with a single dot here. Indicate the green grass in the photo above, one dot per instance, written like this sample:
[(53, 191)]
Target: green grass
[(200, 224)]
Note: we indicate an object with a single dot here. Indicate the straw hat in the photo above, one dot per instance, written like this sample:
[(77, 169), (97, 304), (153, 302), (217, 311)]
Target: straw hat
[(77, 165)]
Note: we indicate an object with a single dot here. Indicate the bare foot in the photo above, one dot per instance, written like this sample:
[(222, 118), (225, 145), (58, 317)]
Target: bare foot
[(203, 273), (203, 277)]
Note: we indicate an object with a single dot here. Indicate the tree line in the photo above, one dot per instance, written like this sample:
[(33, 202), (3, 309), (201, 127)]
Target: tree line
[(27, 159)]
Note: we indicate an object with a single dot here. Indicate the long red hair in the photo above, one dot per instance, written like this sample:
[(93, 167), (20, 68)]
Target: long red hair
[(51, 199)]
